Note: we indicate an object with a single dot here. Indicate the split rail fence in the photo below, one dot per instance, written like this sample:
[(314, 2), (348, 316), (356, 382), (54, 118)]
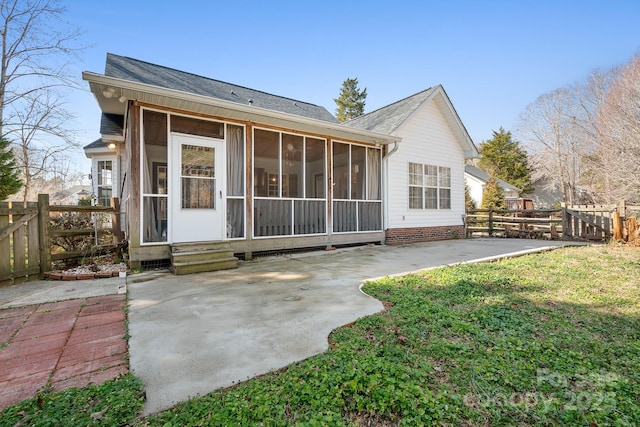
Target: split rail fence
[(597, 223), (26, 233)]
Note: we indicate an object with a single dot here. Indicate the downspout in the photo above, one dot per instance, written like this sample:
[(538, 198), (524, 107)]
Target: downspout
[(385, 187)]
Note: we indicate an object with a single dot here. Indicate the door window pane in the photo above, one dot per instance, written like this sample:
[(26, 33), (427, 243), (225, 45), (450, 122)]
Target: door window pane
[(198, 177)]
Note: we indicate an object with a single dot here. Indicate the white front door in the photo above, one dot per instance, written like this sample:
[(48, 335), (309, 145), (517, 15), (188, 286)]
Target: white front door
[(197, 205)]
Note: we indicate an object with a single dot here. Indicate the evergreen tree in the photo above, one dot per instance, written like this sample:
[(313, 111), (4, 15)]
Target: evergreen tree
[(351, 101), (10, 182), (492, 194), (507, 160), (469, 204)]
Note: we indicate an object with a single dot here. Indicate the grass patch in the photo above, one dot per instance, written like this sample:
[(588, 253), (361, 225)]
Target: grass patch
[(113, 403), (545, 339)]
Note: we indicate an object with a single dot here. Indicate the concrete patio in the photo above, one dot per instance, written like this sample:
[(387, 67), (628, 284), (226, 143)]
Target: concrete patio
[(190, 335)]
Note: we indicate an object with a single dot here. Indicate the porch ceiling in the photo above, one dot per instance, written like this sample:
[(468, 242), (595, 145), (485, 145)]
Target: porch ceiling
[(118, 91)]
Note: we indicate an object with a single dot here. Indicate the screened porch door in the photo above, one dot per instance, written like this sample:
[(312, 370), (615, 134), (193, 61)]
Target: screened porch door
[(198, 188)]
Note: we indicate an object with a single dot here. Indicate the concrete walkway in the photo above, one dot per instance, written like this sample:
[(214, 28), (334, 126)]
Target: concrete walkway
[(190, 335)]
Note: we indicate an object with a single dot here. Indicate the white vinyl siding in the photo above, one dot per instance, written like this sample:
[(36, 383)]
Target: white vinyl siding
[(427, 139)]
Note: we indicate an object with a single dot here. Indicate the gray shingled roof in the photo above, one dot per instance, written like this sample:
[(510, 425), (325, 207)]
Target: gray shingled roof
[(387, 119), (98, 143), (483, 176), (111, 124), (143, 72)]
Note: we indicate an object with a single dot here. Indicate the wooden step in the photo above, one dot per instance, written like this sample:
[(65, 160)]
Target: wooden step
[(198, 246), (180, 268), (198, 257), (202, 255)]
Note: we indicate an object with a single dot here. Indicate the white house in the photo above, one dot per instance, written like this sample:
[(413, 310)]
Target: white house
[(476, 179), (201, 164)]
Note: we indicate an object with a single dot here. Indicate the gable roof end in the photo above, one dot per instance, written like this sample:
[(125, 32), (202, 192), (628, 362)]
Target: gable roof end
[(390, 118)]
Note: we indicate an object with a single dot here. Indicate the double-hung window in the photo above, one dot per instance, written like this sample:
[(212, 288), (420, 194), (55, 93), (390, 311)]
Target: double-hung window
[(429, 186), (104, 185)]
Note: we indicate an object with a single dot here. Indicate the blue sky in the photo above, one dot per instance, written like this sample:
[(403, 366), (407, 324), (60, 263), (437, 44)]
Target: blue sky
[(493, 58)]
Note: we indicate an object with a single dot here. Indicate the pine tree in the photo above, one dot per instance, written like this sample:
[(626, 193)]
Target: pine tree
[(10, 182), (507, 159), (469, 204), (351, 101), (492, 194)]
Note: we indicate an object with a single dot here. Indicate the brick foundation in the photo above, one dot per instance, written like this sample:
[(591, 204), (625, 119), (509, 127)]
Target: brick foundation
[(397, 236)]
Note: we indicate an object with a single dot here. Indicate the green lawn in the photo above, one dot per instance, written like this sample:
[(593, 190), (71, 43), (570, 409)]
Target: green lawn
[(546, 339)]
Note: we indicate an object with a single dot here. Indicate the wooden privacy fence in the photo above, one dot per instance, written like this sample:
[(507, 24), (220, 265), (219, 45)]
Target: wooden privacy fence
[(26, 236), (534, 224), (598, 223)]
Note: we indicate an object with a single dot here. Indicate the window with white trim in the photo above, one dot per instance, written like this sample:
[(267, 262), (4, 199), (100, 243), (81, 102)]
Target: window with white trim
[(429, 186), (104, 185)]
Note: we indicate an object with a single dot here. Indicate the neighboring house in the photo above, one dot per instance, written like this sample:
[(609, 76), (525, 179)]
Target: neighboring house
[(70, 196), (200, 160), (105, 164), (476, 179)]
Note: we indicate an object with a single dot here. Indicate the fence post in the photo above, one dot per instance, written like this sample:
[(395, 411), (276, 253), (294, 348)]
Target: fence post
[(617, 226), (490, 221), (115, 220), (116, 229), (565, 233), (44, 233)]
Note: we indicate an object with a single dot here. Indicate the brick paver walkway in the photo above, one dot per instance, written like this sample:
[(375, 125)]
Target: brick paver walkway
[(65, 344)]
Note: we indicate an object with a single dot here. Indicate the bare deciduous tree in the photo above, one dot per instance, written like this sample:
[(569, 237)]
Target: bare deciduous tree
[(40, 137), (616, 158), (561, 130), (37, 49), (547, 127)]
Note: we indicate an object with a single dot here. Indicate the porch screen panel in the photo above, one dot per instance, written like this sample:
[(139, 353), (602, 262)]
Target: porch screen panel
[(292, 151), (198, 127), (358, 184), (235, 218), (235, 181), (341, 175), (272, 217), (345, 216), (315, 178), (369, 216), (154, 176), (310, 216), (374, 177), (235, 161), (266, 163)]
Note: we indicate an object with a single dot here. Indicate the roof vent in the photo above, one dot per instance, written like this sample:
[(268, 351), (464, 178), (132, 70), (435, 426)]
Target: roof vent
[(250, 101), (232, 92)]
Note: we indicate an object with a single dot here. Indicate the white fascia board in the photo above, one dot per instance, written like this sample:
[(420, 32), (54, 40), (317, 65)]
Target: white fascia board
[(134, 90)]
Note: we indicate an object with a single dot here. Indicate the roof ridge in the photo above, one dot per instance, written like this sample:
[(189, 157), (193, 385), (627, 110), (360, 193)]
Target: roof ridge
[(211, 79)]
